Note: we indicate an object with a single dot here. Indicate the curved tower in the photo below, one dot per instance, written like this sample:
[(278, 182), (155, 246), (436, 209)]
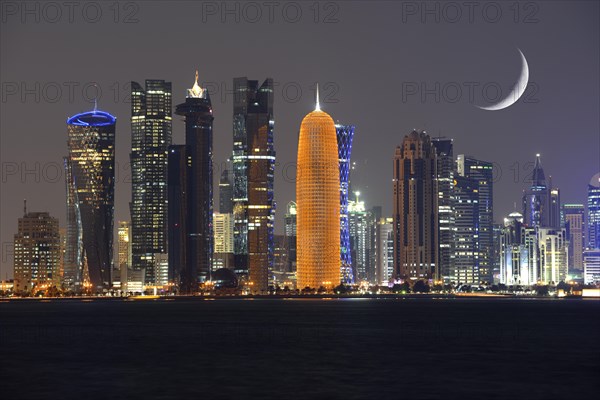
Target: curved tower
[(90, 168), (345, 133), (318, 202)]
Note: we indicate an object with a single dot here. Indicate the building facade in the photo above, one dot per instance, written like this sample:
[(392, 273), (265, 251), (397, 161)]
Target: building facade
[(482, 172), (573, 215), (151, 134), (466, 231), (291, 235), (318, 202), (593, 213), (90, 174), (384, 250), (553, 254), (445, 177), (253, 171), (223, 230), (36, 253), (345, 134), (415, 209), (518, 252)]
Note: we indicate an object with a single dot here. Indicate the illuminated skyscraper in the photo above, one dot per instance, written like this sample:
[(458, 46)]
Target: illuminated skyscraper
[(198, 114), (36, 252), (593, 212), (445, 176), (253, 171), (518, 252), (318, 199), (123, 255), (345, 133), (553, 253), (291, 235), (90, 173), (574, 225), (415, 209), (466, 231), (223, 230), (384, 250), (150, 139), (536, 199), (482, 172)]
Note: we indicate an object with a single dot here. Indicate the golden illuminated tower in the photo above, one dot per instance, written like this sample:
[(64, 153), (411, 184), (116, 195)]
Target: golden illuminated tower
[(318, 202)]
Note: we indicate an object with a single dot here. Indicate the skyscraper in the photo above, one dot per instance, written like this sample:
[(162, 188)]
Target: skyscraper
[(536, 199), (182, 273), (445, 177), (415, 208), (482, 172), (574, 225), (553, 254), (291, 235), (253, 170), (36, 252), (198, 114), (359, 239), (318, 200), (150, 139), (466, 231), (223, 230), (90, 173), (593, 212), (345, 134), (123, 255), (518, 252), (384, 250)]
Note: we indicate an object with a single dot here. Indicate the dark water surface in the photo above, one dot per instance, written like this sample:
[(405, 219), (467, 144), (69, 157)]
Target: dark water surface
[(264, 348)]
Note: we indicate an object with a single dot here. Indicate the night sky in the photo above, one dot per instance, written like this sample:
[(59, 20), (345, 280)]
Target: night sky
[(368, 57)]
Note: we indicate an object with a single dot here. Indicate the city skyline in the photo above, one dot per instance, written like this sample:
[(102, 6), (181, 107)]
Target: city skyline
[(519, 131)]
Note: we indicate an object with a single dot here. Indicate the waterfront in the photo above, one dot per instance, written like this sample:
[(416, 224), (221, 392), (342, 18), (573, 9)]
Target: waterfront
[(300, 348)]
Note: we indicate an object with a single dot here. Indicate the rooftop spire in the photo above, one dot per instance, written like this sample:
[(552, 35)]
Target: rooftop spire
[(196, 90), (538, 177), (24, 206), (317, 105)]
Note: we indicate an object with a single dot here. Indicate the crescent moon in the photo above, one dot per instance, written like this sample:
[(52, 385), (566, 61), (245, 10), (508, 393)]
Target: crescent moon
[(516, 92)]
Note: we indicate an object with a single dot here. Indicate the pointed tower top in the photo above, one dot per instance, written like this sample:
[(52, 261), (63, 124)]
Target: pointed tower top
[(317, 104), (196, 91), (538, 178), (24, 206)]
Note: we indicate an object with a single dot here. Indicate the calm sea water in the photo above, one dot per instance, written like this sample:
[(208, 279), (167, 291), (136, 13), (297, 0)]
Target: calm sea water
[(351, 349)]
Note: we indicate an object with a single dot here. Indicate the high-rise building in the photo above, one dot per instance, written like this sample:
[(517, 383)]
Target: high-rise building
[(415, 209), (553, 254), (291, 235), (445, 178), (555, 218), (593, 213), (198, 114), (150, 139), (384, 250), (536, 199), (181, 272), (573, 215), (591, 266), (36, 253), (253, 171), (482, 172), (90, 173), (466, 231), (518, 252), (345, 134), (225, 193), (123, 264), (280, 255), (360, 234), (318, 202), (223, 230)]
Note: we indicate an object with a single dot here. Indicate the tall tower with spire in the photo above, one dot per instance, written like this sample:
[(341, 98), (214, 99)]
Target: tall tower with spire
[(318, 202), (198, 234), (536, 199)]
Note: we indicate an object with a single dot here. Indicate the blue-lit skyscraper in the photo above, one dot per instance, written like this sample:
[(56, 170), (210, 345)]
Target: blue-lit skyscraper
[(593, 208), (345, 133), (90, 172)]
